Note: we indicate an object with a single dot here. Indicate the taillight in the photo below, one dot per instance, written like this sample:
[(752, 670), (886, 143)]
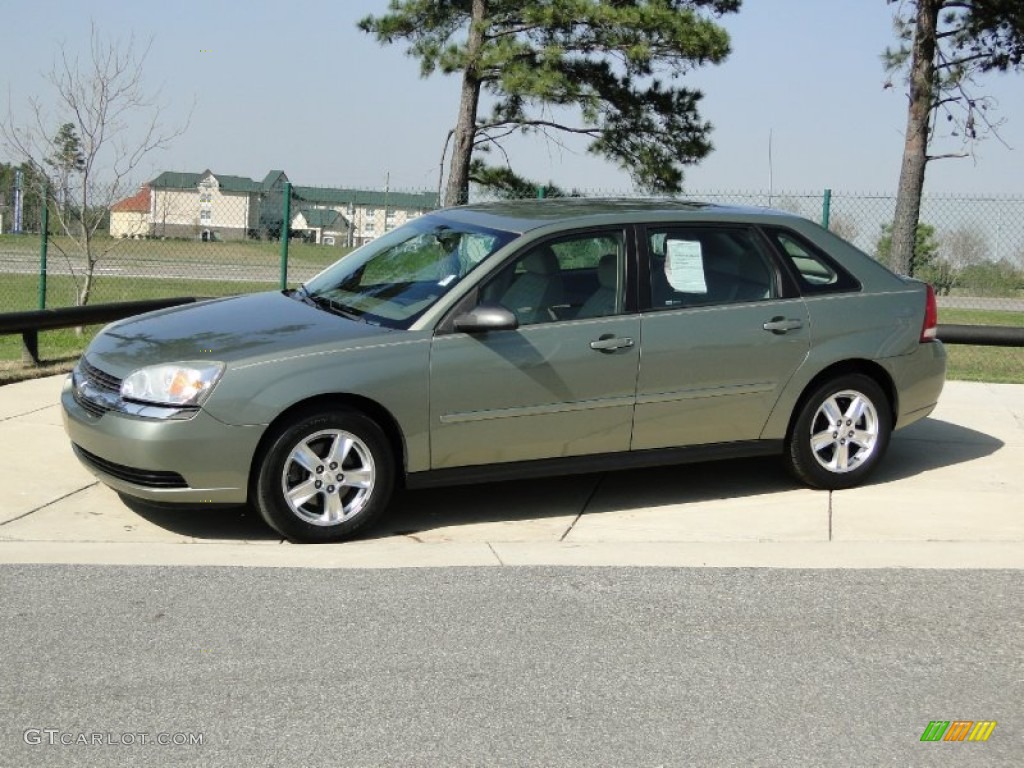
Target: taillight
[(931, 316)]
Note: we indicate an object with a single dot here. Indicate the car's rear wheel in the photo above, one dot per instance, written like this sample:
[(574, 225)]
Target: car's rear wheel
[(841, 433), (325, 476)]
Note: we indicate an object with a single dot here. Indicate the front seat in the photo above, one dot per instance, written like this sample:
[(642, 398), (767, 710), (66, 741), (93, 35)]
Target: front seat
[(602, 301), (536, 290)]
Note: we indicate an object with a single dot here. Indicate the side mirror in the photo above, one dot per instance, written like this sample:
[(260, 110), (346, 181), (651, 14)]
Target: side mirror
[(486, 317)]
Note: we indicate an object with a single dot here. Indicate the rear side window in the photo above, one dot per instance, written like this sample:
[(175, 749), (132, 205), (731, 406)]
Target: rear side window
[(816, 272), (701, 265)]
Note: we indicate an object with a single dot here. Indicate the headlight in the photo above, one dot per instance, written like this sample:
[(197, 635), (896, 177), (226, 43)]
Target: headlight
[(172, 384)]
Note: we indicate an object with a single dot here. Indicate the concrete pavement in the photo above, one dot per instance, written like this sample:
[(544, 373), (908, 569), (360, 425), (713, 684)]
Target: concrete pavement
[(950, 494)]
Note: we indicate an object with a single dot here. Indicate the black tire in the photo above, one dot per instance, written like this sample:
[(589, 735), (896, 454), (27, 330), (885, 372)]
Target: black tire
[(344, 451), (824, 453)]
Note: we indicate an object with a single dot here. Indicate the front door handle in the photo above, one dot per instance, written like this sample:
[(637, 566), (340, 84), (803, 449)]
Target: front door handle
[(610, 343), (778, 325)]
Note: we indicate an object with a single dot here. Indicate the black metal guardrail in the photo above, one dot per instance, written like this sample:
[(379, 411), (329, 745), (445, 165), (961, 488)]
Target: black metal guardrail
[(982, 335), (28, 324)]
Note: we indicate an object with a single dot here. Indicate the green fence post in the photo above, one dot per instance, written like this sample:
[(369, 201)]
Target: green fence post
[(826, 208), (43, 238), (286, 226)]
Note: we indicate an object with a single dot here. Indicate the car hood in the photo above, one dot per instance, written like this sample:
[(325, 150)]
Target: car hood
[(256, 326)]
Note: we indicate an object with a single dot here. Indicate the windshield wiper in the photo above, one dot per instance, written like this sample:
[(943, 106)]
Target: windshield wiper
[(327, 305), (334, 307), (302, 295)]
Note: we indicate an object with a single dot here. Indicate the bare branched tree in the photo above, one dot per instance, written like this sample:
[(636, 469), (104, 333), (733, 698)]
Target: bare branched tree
[(961, 249), (944, 46), (844, 227), (104, 121)]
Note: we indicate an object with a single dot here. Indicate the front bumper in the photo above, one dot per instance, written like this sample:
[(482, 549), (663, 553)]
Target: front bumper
[(199, 460)]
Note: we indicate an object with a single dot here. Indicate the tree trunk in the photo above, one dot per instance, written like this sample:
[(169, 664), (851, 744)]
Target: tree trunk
[(85, 244), (85, 293), (457, 191), (915, 148)]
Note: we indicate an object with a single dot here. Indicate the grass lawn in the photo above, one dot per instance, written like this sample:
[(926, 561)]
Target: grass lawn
[(63, 346), (213, 262), (971, 363), (981, 317), (21, 292), (207, 260), (1001, 365)]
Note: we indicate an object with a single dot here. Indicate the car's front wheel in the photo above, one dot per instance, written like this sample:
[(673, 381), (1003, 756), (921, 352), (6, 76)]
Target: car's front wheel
[(325, 476), (841, 433)]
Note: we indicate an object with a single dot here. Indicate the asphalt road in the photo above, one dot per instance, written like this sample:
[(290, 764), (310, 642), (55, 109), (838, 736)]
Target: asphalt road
[(507, 666)]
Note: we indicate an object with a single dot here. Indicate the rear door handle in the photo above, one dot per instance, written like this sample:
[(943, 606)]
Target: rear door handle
[(610, 343), (780, 325)]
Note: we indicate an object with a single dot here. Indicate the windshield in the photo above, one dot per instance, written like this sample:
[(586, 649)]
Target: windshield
[(394, 279)]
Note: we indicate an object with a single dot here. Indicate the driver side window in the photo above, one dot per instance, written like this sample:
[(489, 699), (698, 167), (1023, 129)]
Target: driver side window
[(571, 278)]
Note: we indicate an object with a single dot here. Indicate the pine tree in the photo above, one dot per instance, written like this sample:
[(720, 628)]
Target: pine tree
[(613, 64)]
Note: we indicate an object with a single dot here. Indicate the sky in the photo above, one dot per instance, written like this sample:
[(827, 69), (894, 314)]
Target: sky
[(296, 86)]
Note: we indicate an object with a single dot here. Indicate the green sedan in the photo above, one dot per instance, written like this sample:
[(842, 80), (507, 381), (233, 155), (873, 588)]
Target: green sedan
[(511, 340)]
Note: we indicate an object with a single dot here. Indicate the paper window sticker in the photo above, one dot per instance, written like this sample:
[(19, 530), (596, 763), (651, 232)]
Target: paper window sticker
[(684, 266)]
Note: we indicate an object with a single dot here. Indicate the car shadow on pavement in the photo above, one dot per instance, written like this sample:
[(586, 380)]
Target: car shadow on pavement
[(928, 445), (542, 508), (547, 508), (220, 521), (932, 444)]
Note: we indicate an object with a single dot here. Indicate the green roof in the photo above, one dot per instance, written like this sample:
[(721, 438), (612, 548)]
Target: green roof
[(320, 218), (237, 183), (315, 195), (272, 178), (176, 180), (364, 197)]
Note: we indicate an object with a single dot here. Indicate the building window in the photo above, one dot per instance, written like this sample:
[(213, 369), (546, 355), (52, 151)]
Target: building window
[(205, 196), (205, 215)]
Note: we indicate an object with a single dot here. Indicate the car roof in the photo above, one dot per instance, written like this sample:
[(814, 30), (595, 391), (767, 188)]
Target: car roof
[(524, 215)]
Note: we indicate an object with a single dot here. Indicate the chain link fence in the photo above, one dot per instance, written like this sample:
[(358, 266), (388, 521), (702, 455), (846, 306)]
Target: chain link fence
[(212, 235), (970, 247), (180, 236)]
